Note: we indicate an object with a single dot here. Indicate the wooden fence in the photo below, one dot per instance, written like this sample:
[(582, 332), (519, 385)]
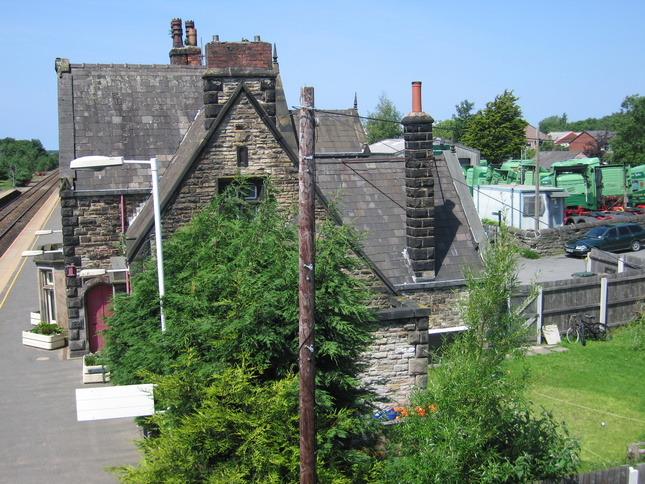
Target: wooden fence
[(619, 475), (611, 296)]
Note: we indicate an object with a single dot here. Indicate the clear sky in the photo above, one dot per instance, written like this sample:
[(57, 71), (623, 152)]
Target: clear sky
[(576, 57)]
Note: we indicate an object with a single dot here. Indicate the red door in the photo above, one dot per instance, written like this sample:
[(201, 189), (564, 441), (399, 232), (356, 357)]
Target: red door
[(97, 303)]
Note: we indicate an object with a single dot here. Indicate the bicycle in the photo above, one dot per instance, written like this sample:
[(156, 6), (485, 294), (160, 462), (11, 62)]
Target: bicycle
[(583, 328)]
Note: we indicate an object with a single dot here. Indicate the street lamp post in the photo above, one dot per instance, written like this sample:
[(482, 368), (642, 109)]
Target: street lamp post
[(98, 163)]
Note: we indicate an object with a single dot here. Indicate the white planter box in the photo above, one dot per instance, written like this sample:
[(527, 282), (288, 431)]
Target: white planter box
[(43, 341), (34, 317), (95, 374)]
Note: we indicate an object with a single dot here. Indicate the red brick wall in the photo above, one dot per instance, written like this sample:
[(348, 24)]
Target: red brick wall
[(582, 143), (239, 54)]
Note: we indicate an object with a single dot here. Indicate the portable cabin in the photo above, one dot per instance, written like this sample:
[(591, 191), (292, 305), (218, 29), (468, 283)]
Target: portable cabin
[(516, 203)]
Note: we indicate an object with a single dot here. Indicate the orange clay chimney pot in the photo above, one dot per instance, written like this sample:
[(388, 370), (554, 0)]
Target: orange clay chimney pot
[(416, 97)]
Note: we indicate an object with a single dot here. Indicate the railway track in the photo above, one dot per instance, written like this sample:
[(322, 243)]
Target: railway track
[(16, 214)]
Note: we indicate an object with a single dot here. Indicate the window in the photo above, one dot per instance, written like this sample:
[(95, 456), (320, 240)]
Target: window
[(529, 206), (624, 231), (251, 190), (48, 295)]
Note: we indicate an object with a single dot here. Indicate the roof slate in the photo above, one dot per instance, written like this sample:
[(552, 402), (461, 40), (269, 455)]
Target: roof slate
[(135, 111), (370, 195)]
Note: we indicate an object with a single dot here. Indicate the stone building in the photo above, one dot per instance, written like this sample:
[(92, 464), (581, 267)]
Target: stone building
[(206, 124)]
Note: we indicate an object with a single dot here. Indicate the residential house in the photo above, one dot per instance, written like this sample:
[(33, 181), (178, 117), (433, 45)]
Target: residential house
[(207, 123), (532, 134), (592, 143), (562, 138)]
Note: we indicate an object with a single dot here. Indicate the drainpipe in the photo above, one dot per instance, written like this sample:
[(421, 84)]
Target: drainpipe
[(127, 274)]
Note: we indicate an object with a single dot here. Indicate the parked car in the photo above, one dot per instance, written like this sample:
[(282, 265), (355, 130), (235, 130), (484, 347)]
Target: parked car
[(608, 237)]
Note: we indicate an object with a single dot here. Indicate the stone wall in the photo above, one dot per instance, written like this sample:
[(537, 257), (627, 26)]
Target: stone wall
[(266, 160), (91, 235), (551, 241), (397, 360)]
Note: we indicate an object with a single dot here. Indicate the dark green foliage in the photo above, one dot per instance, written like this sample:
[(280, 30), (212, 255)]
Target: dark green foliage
[(497, 130), (232, 296), (384, 122), (561, 123), (27, 157), (463, 118), (482, 428), (629, 143)]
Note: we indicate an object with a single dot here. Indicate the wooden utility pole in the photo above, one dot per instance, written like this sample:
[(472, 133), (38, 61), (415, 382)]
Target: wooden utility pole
[(306, 288)]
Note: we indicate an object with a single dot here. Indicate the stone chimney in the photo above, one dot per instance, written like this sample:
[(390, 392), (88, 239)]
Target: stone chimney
[(229, 63), (419, 187), (184, 53)]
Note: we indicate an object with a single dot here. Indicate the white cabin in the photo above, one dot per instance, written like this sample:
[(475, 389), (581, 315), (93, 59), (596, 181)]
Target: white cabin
[(516, 205)]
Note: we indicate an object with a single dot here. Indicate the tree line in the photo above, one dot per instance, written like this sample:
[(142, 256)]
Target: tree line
[(20, 159), (497, 130)]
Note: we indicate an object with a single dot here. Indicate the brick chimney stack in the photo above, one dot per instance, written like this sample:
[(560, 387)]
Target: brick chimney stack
[(188, 54), (419, 187), (229, 63)]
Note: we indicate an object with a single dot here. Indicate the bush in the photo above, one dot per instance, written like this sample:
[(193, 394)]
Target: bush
[(231, 297), (482, 427)]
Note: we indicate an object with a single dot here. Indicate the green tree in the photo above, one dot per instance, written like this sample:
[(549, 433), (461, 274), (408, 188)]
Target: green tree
[(232, 297), (444, 129), (554, 123), (463, 118), (26, 157), (384, 122), (498, 130), (629, 143), (474, 422)]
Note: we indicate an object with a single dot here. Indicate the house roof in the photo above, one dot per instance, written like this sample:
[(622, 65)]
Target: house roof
[(134, 111), (566, 138), (339, 132), (370, 196), (547, 158)]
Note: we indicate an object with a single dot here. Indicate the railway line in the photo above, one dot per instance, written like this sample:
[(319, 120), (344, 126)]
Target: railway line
[(15, 215)]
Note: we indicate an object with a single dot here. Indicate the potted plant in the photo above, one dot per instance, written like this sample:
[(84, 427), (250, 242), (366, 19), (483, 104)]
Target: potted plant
[(94, 370), (45, 335)]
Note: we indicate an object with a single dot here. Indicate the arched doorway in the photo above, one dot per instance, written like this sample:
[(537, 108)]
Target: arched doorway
[(97, 302)]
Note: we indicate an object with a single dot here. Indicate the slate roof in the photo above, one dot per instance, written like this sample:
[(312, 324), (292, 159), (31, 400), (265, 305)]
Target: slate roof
[(338, 132), (370, 195), (547, 158), (135, 111)]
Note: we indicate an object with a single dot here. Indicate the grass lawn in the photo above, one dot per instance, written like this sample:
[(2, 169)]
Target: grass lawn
[(586, 387)]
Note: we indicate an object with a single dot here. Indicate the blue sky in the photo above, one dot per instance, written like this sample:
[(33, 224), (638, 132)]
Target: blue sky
[(576, 57)]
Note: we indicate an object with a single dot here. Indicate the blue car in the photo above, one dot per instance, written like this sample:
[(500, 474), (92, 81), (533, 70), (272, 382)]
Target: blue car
[(608, 237)]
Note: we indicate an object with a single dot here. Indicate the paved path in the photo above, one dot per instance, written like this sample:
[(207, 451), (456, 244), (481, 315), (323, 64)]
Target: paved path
[(40, 440)]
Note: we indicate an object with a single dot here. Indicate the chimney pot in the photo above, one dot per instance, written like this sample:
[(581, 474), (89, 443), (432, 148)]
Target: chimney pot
[(256, 38), (215, 38), (191, 33), (416, 97), (176, 32)]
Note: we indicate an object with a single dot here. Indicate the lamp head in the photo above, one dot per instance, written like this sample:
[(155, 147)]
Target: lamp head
[(95, 163)]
